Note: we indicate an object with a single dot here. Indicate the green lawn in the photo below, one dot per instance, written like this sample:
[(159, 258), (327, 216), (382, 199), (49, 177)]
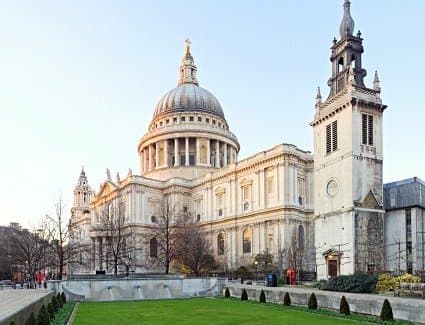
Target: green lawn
[(195, 311)]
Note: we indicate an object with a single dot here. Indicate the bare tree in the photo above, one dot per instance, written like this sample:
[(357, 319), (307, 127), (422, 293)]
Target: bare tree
[(57, 231), (299, 252), (193, 249), (119, 234), (163, 236), (28, 248)]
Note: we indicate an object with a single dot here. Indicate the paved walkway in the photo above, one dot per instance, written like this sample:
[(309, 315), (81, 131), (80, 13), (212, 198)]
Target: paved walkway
[(11, 301)]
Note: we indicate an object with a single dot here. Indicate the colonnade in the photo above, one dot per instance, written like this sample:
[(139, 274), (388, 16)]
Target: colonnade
[(101, 256), (186, 151)]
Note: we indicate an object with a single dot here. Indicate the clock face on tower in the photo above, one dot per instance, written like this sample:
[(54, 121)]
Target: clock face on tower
[(332, 188)]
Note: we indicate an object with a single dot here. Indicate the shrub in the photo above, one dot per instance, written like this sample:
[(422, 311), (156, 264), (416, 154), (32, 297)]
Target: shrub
[(344, 307), (227, 293), (312, 302), (12, 323), (287, 300), (244, 295), (63, 298), (55, 304), (50, 310), (386, 282), (386, 311), (357, 283), (31, 320), (43, 316), (262, 297), (281, 281)]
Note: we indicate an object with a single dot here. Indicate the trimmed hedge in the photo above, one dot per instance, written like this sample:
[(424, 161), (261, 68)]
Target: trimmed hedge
[(63, 314), (59, 300), (344, 307), (262, 297), (312, 302), (43, 316), (357, 283), (227, 293), (63, 298), (386, 311), (244, 295), (55, 304), (287, 300)]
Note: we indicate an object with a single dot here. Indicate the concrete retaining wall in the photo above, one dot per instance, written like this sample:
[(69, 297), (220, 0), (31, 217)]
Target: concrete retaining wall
[(138, 289), (371, 304), (17, 305)]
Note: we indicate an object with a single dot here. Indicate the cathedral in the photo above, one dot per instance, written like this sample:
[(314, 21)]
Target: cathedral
[(327, 207)]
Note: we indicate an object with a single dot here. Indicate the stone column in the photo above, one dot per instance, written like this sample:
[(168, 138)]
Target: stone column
[(156, 154), (166, 153), (187, 152), (197, 154), (100, 251), (217, 153), (176, 152), (225, 154), (142, 161), (209, 152), (94, 253), (150, 157)]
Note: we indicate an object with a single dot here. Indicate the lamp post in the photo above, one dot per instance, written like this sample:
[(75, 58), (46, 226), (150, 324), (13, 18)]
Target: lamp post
[(256, 270)]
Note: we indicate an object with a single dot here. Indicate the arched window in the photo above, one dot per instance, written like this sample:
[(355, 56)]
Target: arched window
[(153, 248), (220, 244), (301, 237), (246, 241)]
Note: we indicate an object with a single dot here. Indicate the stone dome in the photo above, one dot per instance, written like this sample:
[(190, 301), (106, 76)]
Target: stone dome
[(188, 97)]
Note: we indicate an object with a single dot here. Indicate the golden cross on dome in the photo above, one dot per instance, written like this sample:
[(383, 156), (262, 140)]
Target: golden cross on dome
[(188, 43)]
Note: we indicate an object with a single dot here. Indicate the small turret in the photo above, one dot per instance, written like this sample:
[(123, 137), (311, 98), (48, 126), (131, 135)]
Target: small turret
[(376, 82), (318, 98)]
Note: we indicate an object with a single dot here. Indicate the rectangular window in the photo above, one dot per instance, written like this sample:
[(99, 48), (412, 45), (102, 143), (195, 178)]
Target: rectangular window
[(334, 135), (183, 118), (367, 129), (328, 139), (331, 137)]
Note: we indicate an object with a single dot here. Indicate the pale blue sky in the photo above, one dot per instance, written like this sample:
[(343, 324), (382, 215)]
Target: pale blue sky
[(79, 81)]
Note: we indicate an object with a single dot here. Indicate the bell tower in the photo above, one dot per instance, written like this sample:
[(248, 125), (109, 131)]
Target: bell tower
[(348, 163)]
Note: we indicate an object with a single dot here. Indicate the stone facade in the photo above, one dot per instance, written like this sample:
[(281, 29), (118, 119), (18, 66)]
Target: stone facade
[(246, 207), (348, 163), (331, 206)]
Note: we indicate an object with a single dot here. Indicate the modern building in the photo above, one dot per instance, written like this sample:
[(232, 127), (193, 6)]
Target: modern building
[(328, 205), (404, 202)]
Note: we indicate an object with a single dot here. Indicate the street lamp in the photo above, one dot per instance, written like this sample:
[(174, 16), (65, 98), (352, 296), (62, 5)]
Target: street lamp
[(256, 270)]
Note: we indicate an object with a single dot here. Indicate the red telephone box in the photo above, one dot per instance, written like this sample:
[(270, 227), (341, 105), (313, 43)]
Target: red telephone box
[(290, 275)]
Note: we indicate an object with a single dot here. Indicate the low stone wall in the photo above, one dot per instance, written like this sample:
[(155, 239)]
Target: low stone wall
[(370, 304), (17, 305), (138, 289)]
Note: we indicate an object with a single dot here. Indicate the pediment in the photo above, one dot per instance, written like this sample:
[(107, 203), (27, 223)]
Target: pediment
[(245, 182), (106, 188), (370, 201)]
